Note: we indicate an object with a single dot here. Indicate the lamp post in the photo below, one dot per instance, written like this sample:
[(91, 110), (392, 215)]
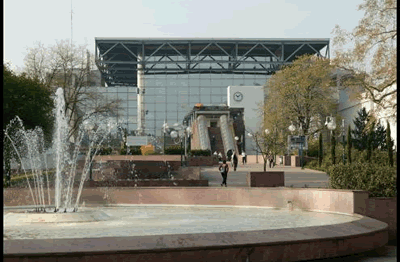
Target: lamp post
[(292, 128), (331, 125), (89, 126), (180, 135)]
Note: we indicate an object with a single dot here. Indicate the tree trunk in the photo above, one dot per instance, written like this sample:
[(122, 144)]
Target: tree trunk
[(265, 165)]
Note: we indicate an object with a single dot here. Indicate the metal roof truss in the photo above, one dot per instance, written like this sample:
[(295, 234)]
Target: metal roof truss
[(117, 59)]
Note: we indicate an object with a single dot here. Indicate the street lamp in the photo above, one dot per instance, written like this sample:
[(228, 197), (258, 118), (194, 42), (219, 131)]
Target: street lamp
[(331, 125), (89, 126), (292, 128), (176, 134)]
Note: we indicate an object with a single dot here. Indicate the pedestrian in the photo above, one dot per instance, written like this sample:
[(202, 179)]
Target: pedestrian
[(244, 160), (235, 162), (219, 156), (271, 161), (229, 154), (224, 169)]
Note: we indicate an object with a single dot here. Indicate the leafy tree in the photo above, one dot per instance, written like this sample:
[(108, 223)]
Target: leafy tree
[(379, 137), (264, 144), (69, 67), (368, 131), (300, 93), (372, 60), (349, 145), (360, 135), (28, 99), (370, 139), (389, 143)]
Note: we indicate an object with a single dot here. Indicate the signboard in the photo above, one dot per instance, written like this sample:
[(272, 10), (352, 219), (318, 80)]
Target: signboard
[(137, 141), (295, 142)]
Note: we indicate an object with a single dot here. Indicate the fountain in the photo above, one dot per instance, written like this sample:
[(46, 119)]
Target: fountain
[(176, 223), (31, 142)]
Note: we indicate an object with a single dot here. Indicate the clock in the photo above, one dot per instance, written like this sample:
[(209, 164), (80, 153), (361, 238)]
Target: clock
[(238, 96)]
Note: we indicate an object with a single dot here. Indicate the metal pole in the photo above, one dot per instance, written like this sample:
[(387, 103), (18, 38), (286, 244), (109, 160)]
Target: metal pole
[(91, 165), (343, 144), (301, 154), (181, 152)]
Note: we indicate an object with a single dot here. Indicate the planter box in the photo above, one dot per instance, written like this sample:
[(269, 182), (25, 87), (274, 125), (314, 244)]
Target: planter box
[(266, 179), (203, 161)]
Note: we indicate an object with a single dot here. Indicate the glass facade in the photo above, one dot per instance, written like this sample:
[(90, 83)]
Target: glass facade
[(170, 97)]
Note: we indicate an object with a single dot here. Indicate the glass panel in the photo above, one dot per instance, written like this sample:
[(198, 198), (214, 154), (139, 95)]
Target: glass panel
[(132, 96), (132, 119), (122, 89), (131, 89), (172, 99), (158, 99), (132, 111), (123, 96)]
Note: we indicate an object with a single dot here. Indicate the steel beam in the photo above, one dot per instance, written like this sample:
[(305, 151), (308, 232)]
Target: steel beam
[(294, 52)]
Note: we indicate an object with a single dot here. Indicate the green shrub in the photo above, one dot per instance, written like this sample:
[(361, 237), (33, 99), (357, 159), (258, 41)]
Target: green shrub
[(174, 150), (378, 180), (133, 150), (200, 152), (105, 151)]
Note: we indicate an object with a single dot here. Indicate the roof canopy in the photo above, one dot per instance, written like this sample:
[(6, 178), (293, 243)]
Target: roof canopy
[(118, 58)]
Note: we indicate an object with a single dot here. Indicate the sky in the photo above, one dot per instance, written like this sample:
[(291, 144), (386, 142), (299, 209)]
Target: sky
[(27, 22)]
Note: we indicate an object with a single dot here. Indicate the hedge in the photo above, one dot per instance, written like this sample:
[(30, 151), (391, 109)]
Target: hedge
[(174, 150), (378, 180), (200, 152)]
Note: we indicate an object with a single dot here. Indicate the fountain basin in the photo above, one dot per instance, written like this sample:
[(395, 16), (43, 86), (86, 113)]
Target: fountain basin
[(131, 239)]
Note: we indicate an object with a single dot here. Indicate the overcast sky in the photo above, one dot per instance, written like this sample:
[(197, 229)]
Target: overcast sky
[(27, 21)]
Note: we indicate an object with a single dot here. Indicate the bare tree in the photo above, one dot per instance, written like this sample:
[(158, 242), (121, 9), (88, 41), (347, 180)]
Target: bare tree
[(371, 61), (69, 67)]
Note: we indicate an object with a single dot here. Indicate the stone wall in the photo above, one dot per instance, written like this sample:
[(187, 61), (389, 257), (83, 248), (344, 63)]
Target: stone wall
[(385, 210)]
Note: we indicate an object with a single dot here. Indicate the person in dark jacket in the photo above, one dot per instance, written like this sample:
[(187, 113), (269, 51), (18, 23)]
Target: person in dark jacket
[(235, 162), (224, 169), (229, 154)]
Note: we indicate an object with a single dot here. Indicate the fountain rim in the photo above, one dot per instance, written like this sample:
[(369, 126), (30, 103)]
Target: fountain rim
[(364, 227), (91, 207)]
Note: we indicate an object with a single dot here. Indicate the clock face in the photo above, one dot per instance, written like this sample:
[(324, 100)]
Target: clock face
[(238, 96)]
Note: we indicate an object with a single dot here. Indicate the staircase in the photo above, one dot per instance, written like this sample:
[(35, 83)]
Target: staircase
[(214, 134)]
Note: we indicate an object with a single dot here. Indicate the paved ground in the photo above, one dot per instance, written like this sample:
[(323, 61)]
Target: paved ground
[(294, 176), (297, 177)]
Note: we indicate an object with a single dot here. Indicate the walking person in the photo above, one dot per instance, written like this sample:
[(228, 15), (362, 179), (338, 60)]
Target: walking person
[(244, 160), (224, 169), (219, 157), (235, 162), (271, 161)]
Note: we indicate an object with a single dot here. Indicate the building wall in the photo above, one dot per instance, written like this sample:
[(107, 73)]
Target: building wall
[(348, 109), (253, 98)]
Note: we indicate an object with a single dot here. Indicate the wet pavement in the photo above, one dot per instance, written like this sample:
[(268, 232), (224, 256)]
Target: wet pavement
[(297, 177)]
